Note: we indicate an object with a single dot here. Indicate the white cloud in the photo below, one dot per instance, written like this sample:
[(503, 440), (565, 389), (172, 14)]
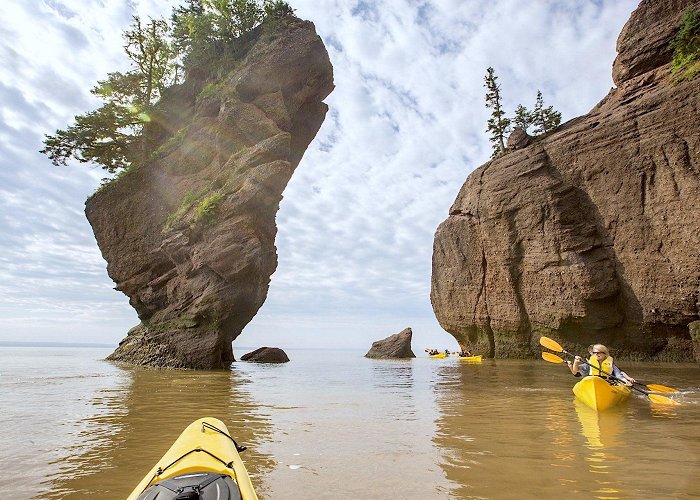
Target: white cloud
[(405, 128)]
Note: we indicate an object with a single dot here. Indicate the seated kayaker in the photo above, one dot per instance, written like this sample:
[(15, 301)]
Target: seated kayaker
[(601, 364), (464, 352)]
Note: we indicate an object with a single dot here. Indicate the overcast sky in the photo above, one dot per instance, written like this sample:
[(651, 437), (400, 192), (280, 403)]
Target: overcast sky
[(406, 126)]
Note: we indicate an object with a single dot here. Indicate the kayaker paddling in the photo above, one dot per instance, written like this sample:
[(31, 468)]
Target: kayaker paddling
[(600, 364)]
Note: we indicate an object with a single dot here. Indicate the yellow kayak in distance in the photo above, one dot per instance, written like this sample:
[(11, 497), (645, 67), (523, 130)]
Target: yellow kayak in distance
[(471, 359), (204, 459), (599, 394), (439, 355)]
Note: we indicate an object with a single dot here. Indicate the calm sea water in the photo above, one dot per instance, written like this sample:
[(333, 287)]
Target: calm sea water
[(332, 424)]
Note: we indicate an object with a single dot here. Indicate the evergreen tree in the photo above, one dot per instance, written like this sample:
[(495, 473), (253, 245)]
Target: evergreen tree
[(523, 117), (277, 8), (150, 51), (110, 135), (232, 18), (202, 30), (498, 124), (545, 119)]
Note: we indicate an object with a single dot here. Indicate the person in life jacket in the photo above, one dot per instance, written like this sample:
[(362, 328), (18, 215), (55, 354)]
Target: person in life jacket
[(600, 364), (464, 352)]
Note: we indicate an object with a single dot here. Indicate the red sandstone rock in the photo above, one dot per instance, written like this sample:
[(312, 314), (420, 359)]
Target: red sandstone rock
[(592, 233), (394, 346), (189, 236)]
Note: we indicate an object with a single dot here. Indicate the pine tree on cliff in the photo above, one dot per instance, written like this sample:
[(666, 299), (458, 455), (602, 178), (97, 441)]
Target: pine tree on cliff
[(546, 119), (112, 135), (523, 118), (498, 125)]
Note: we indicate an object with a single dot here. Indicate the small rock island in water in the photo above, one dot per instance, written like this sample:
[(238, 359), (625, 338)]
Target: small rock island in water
[(394, 346)]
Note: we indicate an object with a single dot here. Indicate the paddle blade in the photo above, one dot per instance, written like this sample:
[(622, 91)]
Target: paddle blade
[(552, 358), (662, 400), (551, 344), (660, 388)]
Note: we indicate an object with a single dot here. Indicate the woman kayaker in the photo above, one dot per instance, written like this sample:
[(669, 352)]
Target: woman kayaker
[(600, 363)]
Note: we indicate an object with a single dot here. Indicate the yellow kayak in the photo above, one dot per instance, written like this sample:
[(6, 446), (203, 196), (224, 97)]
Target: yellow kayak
[(473, 359), (597, 393), (204, 458), (439, 355)]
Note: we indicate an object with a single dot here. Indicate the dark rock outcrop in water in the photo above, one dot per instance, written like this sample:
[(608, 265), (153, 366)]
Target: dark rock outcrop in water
[(189, 235), (394, 346), (590, 234), (266, 355)]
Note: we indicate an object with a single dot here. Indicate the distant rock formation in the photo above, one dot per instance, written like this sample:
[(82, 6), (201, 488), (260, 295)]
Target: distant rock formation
[(266, 355), (394, 346), (591, 234), (189, 236)]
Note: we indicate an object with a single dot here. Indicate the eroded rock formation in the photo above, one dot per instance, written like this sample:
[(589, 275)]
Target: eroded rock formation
[(394, 346), (266, 355), (593, 232), (189, 235)]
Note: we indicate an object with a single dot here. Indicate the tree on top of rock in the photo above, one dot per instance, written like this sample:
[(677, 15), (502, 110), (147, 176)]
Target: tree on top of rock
[(523, 118), (113, 135), (109, 136), (545, 119), (498, 125)]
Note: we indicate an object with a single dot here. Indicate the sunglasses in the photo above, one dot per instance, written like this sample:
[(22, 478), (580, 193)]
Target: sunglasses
[(597, 352)]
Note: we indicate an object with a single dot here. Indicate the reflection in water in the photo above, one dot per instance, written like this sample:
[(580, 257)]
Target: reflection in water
[(135, 422), (333, 424), (602, 431), (348, 427), (392, 378), (509, 428)]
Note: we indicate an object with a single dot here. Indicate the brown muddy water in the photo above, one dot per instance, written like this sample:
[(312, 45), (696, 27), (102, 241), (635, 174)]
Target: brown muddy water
[(332, 424)]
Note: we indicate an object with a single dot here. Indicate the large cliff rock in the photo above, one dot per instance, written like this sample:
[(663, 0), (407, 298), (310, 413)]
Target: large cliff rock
[(189, 235), (593, 232)]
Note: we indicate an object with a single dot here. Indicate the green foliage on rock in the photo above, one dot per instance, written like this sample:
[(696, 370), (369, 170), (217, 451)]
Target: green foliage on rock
[(201, 35), (277, 8), (207, 207), (685, 64), (523, 118), (545, 119), (187, 202), (111, 136), (195, 206)]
